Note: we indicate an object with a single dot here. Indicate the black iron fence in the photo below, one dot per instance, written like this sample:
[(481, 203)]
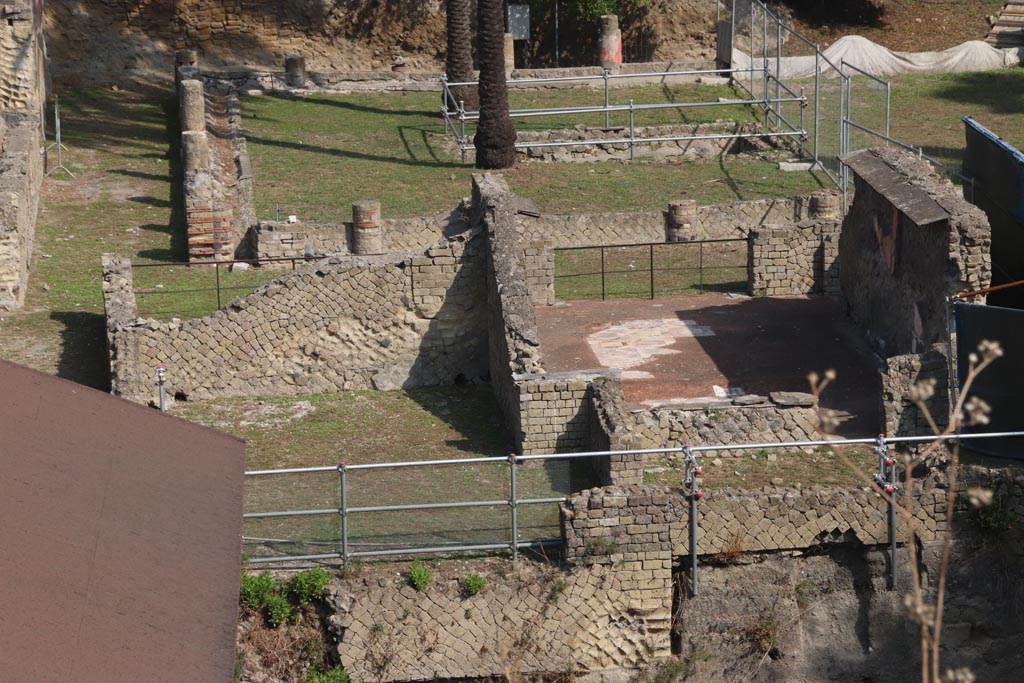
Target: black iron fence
[(651, 269), (192, 290)]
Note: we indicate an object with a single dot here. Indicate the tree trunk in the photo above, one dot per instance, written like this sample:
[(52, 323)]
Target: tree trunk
[(459, 57), (495, 136)]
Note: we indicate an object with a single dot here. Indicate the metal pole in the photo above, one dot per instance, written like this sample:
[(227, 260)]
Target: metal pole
[(602, 273), (607, 119), (279, 212), (512, 505), (817, 98), (951, 359), (651, 250), (700, 266), (752, 95), (161, 373), (462, 124), (691, 470), (343, 511), (216, 267), (764, 60), (632, 135), (778, 68), (885, 478), (888, 102), (803, 127)]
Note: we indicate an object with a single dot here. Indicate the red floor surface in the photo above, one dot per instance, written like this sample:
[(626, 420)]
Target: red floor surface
[(755, 346)]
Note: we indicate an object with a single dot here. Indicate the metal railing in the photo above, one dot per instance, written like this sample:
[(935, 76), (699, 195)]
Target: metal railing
[(632, 264), (456, 116), (346, 551)]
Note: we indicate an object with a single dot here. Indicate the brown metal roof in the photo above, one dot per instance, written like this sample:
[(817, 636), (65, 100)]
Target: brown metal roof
[(120, 539)]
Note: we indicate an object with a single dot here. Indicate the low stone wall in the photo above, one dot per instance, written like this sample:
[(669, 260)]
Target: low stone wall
[(21, 177), (620, 151), (795, 260), (901, 377), (602, 523), (731, 220), (272, 239), (343, 323)]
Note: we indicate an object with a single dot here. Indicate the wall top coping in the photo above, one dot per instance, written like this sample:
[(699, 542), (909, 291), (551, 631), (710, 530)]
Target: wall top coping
[(912, 201)]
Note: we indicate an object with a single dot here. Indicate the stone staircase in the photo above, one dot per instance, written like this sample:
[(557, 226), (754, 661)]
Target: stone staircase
[(1008, 31)]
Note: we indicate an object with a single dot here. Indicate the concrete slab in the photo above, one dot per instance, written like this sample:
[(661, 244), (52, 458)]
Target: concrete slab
[(676, 349)]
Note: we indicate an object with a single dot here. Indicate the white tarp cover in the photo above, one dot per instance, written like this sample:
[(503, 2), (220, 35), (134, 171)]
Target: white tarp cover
[(974, 55)]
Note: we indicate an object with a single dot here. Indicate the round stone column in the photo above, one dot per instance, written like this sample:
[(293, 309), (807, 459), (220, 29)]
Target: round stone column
[(187, 58), (295, 71), (824, 204), (367, 228), (192, 105), (195, 151), (611, 43), (682, 220)]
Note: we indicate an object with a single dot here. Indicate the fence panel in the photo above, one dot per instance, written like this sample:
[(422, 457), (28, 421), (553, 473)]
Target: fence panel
[(650, 270)]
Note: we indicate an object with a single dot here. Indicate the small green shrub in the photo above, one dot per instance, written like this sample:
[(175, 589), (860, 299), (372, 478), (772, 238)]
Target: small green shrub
[(335, 675), (556, 590), (308, 585), (256, 589), (279, 610), (419, 576), (473, 584), (602, 546)]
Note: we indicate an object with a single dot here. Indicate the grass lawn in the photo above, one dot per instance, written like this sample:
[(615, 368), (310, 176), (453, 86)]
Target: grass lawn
[(680, 268), (316, 155), (426, 424)]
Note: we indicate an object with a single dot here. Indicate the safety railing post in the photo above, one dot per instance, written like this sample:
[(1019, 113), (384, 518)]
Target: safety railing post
[(817, 99), (778, 69), (513, 505), (885, 478), (803, 124), (216, 268), (462, 128), (632, 132), (692, 470), (161, 374), (607, 119), (602, 273), (650, 248), (343, 511), (700, 266), (888, 103)]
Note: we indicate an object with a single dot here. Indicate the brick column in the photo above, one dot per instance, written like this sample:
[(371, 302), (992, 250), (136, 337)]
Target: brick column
[(367, 228)]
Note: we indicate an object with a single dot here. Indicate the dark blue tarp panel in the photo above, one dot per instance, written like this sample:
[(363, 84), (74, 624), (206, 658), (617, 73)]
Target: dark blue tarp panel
[(1000, 384), (998, 172)]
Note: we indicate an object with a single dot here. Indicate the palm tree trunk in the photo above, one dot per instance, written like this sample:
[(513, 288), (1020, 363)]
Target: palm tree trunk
[(459, 57), (495, 136)]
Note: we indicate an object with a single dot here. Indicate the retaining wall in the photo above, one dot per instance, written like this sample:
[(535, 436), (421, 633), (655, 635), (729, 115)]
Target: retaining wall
[(343, 323), (22, 58), (21, 177)]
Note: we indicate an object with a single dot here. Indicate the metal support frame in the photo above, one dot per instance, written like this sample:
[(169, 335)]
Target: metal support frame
[(885, 478), (58, 144), (692, 470)]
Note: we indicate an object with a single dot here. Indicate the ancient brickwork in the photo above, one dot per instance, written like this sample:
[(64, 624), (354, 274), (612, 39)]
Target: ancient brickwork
[(292, 240), (909, 241), (21, 176), (617, 150), (554, 412), (343, 323), (732, 220), (899, 377), (780, 417), (22, 58), (613, 520), (539, 259), (794, 260)]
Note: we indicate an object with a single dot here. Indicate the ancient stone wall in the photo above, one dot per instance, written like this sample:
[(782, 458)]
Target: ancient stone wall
[(539, 259), (731, 220), (780, 417), (901, 376), (909, 241), (605, 522), (794, 260), (618, 147), (273, 239), (343, 323), (22, 57), (21, 177)]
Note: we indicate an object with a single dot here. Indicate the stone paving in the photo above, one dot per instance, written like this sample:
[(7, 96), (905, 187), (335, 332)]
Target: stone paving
[(633, 343)]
